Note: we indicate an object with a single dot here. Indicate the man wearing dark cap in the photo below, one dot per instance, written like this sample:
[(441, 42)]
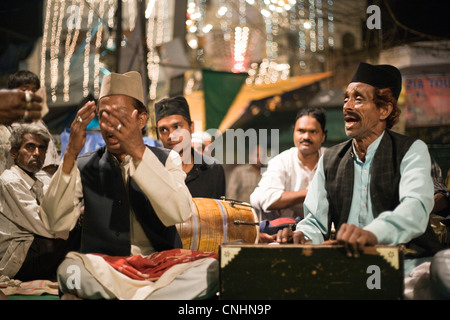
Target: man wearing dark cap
[(205, 178), (133, 197), (376, 187)]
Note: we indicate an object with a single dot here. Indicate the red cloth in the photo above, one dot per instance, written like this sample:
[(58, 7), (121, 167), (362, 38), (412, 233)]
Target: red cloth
[(281, 221), (153, 266)]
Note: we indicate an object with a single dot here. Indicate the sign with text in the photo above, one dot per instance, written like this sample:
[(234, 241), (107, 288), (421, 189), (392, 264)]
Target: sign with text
[(427, 100)]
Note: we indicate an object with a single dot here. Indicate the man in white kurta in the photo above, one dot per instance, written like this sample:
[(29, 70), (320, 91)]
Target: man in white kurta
[(122, 119), (283, 186), (28, 250)]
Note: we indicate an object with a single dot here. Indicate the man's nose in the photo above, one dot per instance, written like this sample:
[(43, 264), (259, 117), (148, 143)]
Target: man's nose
[(348, 105), (38, 151)]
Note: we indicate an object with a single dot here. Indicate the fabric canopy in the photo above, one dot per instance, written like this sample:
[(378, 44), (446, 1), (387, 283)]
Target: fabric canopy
[(246, 95)]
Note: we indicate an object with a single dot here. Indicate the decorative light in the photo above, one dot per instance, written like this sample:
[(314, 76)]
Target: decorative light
[(207, 28), (55, 41), (44, 42), (240, 48), (87, 49), (69, 50), (98, 42)]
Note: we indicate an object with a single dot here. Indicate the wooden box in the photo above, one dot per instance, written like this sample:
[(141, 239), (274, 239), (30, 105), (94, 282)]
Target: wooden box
[(284, 272)]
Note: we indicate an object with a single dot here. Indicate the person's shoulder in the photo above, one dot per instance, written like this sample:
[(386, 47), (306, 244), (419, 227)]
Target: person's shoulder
[(336, 147), (8, 175), (43, 176), (284, 155)]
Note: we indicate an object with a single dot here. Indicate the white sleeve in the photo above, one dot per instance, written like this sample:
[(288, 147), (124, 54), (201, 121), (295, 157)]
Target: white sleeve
[(271, 186), (61, 205), (166, 190)]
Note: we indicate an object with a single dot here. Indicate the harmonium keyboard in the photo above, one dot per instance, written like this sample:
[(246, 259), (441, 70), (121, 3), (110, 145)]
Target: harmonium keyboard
[(316, 272)]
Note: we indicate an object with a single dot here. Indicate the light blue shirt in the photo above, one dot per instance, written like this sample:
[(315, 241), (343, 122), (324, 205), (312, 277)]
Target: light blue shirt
[(406, 222)]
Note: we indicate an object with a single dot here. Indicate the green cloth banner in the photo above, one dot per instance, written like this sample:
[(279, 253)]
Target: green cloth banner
[(219, 89)]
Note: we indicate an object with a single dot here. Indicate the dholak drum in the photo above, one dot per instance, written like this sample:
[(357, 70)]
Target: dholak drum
[(217, 221)]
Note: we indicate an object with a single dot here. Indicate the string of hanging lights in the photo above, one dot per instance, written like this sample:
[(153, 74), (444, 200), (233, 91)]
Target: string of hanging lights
[(65, 38)]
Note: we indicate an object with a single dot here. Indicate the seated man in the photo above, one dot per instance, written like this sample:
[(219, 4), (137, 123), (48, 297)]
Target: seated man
[(283, 186), (204, 177), (27, 250), (376, 187), (133, 197)]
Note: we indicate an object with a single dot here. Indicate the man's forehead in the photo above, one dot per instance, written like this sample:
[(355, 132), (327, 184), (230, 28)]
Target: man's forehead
[(359, 87), (172, 120), (32, 138)]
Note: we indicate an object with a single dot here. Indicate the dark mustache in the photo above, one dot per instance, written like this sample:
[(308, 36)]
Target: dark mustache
[(38, 160), (351, 114), (306, 140)]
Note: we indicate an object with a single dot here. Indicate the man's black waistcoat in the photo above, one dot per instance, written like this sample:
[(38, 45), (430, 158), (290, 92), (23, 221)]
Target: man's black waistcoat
[(384, 185), (107, 201)]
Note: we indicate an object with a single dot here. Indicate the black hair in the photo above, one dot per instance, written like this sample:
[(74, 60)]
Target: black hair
[(317, 113), (22, 77)]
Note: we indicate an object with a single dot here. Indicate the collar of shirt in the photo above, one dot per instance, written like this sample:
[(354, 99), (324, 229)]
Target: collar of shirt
[(24, 176), (296, 158), (370, 150)]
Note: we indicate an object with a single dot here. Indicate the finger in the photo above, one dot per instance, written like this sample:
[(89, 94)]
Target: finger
[(282, 235), (330, 242), (298, 237), (111, 124), (355, 238), (343, 236), (134, 115), (85, 114), (121, 113), (286, 235), (30, 116), (36, 98)]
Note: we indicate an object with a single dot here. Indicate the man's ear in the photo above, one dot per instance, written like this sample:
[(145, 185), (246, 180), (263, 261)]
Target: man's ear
[(386, 110), (142, 118)]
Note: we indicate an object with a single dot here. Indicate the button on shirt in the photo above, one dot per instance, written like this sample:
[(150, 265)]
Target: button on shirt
[(361, 212)]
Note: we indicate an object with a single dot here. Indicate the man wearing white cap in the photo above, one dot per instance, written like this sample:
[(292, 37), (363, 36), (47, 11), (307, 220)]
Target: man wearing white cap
[(133, 195)]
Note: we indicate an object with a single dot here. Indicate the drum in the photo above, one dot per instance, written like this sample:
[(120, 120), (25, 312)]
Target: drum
[(217, 221)]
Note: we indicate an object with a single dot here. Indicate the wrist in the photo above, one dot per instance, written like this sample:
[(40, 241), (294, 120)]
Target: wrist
[(139, 153), (68, 162)]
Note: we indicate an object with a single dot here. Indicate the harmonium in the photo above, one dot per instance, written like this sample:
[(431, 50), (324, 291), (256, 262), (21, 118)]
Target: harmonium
[(315, 272)]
